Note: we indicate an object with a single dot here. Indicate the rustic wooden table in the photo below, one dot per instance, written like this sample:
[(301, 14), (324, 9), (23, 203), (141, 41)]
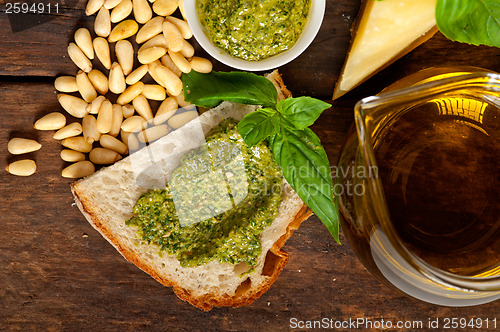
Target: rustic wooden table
[(57, 273)]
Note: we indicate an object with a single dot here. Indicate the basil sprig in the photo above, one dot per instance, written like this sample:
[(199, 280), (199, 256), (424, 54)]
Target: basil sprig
[(475, 22), (209, 90), (306, 167), (296, 149)]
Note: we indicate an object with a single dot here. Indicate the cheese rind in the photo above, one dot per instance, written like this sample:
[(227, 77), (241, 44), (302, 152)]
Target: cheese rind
[(386, 31)]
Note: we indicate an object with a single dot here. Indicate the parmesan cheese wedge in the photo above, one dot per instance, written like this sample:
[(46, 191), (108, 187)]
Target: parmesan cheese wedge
[(384, 31)]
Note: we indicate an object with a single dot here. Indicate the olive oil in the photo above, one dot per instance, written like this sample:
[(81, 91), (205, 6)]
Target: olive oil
[(439, 163)]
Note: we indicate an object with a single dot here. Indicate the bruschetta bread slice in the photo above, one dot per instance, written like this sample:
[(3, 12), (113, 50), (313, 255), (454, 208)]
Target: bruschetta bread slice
[(107, 198)]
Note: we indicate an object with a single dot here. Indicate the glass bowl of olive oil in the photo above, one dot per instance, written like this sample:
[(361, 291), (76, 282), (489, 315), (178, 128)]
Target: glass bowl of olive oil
[(254, 35), (418, 184)]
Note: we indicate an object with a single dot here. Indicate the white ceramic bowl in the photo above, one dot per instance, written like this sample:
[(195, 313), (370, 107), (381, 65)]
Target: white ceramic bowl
[(311, 28)]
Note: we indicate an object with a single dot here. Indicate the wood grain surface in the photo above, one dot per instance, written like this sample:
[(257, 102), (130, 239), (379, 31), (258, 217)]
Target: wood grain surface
[(59, 274)]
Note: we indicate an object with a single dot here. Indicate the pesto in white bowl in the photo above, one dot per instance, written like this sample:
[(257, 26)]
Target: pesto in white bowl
[(254, 35)]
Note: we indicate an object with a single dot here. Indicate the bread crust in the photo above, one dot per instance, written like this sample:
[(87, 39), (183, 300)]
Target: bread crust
[(208, 301), (275, 260), (279, 84)]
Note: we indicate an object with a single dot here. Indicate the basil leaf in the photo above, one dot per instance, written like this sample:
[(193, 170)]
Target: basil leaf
[(259, 125), (306, 167), (209, 90), (475, 22), (302, 111)]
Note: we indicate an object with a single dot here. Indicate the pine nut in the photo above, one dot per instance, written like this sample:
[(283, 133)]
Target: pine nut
[(128, 110), (124, 52), (173, 36), (112, 143), (75, 106), (85, 87), (103, 156), (154, 92), (124, 136), (122, 11), (84, 42), (136, 75), (142, 107), (155, 41), (93, 107), (150, 29), (132, 143), (183, 103), (172, 82), (181, 9), (181, 119), (78, 170), (90, 132), (105, 117), (142, 11), (116, 79), (201, 65), (22, 145), (166, 60), (134, 124), (152, 72), (183, 27), (66, 84), (93, 6), (130, 93), (101, 48), (102, 23), (152, 134), (77, 143), (72, 156), (51, 121), (151, 54), (117, 120), (187, 50), (165, 7), (123, 30), (99, 81), (25, 167), (71, 130), (110, 4), (180, 61), (79, 58), (167, 108)]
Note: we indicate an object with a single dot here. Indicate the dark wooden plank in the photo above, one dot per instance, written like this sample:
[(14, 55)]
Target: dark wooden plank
[(21, 50), (313, 73), (437, 52), (58, 273)]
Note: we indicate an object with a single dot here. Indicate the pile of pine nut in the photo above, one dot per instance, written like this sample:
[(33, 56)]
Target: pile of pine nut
[(110, 129)]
